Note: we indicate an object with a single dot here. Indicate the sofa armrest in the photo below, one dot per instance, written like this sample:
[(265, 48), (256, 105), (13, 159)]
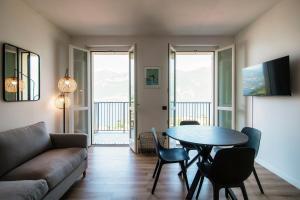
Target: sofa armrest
[(69, 140)]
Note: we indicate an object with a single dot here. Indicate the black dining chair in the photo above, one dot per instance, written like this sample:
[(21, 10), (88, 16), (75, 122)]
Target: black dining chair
[(230, 168), (254, 137), (167, 156), (187, 146)]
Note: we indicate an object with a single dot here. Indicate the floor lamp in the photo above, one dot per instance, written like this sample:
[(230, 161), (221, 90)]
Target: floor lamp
[(62, 102), (66, 85)]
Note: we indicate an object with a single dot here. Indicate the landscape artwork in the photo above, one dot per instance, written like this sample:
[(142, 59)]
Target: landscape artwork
[(254, 81)]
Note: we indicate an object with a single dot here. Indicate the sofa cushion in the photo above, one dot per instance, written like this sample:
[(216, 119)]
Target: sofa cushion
[(23, 190), (53, 166), (22, 144)]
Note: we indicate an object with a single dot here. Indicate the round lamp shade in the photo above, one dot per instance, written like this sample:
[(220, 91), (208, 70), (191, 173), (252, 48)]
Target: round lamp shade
[(67, 84), (60, 100), (11, 85)]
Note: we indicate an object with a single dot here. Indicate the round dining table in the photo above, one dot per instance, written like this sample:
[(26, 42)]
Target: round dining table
[(204, 138)]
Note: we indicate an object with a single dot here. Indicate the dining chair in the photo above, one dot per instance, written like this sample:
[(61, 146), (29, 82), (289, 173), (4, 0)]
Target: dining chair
[(167, 156), (230, 168), (188, 147), (254, 137)]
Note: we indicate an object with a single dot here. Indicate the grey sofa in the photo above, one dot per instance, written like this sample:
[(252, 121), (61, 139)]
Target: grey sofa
[(38, 165)]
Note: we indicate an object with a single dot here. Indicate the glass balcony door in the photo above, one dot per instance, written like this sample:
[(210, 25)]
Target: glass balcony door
[(172, 87), (132, 99), (80, 110), (225, 88)]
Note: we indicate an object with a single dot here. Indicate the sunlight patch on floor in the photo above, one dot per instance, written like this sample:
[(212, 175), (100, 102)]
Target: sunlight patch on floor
[(112, 137)]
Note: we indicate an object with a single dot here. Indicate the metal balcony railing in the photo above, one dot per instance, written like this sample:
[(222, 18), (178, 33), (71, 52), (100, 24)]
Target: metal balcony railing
[(111, 116), (196, 111), (114, 116)]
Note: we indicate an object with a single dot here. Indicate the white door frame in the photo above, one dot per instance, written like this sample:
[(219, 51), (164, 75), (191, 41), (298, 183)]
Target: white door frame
[(216, 99), (73, 108), (133, 142)]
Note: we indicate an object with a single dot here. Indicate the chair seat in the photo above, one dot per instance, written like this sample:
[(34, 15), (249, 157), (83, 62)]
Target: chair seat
[(174, 155)]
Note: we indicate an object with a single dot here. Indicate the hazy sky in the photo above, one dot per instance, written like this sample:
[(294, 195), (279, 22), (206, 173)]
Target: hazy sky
[(111, 77), (194, 77)]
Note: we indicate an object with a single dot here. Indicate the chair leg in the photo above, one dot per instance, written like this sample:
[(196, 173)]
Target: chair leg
[(244, 191), (226, 193), (231, 194), (200, 186), (257, 180), (210, 159), (183, 169), (157, 176), (155, 170), (194, 185), (186, 161), (216, 192), (190, 163)]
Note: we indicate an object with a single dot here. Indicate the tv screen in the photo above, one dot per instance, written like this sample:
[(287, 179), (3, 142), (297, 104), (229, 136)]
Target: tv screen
[(267, 79)]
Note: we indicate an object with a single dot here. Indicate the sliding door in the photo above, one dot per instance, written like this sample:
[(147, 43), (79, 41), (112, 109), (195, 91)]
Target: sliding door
[(80, 110), (132, 100), (225, 87)]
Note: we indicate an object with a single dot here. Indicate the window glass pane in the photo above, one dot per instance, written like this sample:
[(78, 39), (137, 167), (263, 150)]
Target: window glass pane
[(132, 84), (225, 78), (132, 96), (224, 118), (80, 76)]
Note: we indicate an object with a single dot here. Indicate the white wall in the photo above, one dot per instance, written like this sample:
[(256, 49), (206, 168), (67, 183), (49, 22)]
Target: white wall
[(151, 51), (275, 34), (23, 27)]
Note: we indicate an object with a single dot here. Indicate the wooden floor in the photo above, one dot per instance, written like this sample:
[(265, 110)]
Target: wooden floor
[(117, 173)]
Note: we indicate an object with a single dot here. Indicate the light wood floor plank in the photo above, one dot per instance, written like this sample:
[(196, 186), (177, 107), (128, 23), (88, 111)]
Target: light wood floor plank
[(115, 173)]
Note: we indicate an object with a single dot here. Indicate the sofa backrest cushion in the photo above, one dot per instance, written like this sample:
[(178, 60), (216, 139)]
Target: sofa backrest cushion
[(21, 144)]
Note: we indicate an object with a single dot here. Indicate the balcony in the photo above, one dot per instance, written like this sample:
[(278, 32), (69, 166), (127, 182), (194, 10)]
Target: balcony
[(111, 119)]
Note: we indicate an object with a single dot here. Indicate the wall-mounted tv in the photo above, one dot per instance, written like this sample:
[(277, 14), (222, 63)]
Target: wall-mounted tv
[(270, 78)]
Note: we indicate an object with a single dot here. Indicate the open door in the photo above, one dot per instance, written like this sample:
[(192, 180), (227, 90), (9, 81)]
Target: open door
[(172, 93), (132, 100), (172, 87), (225, 87), (80, 109)]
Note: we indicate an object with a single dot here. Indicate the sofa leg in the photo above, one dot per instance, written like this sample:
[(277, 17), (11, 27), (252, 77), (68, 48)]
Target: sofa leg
[(84, 174)]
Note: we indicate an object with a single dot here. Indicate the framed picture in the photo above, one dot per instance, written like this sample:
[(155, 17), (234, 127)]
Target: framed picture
[(152, 77)]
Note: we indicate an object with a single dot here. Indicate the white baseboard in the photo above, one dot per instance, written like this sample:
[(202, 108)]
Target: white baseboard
[(279, 173)]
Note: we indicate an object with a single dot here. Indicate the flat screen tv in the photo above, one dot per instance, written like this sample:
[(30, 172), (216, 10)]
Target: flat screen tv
[(270, 78)]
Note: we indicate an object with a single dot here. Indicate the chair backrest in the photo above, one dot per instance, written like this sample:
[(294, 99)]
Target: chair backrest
[(231, 166), (156, 142), (254, 137), (189, 122)]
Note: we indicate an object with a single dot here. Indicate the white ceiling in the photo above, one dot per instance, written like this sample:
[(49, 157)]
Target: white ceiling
[(151, 17)]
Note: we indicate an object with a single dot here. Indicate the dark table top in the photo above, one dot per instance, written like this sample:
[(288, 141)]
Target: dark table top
[(207, 135)]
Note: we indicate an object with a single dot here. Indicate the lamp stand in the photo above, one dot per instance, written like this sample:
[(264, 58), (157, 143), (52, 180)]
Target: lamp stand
[(64, 117)]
